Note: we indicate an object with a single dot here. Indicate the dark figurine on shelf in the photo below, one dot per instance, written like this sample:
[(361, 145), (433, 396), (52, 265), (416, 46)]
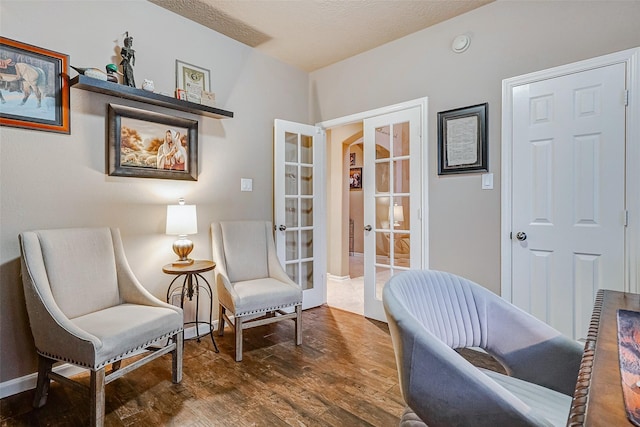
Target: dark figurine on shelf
[(128, 61)]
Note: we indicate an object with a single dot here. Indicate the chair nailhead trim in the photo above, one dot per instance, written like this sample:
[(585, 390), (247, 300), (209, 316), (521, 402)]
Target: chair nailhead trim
[(266, 310), (112, 360)]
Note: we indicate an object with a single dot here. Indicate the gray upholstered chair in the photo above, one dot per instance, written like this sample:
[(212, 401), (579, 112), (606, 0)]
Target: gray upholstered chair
[(431, 313), (86, 308), (250, 281)]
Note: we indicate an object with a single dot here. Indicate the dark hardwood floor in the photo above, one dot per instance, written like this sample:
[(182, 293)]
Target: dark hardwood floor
[(343, 374)]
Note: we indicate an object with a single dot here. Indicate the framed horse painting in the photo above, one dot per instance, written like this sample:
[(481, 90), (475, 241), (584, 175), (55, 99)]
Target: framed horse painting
[(34, 88)]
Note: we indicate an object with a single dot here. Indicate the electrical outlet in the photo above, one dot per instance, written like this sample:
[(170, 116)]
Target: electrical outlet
[(246, 184)]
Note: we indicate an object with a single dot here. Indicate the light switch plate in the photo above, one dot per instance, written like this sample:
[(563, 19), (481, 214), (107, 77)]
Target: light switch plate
[(246, 184), (487, 181)]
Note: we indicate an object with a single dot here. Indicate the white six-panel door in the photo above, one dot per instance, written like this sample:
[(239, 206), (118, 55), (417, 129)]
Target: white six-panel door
[(568, 194)]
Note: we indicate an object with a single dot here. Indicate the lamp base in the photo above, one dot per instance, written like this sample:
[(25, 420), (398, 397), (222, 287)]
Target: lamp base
[(183, 247), (181, 263)]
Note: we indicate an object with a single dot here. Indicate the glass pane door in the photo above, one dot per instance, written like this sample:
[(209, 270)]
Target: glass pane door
[(392, 202), (296, 201)]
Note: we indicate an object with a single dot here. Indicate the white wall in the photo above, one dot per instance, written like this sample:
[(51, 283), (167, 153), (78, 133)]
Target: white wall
[(52, 180), (508, 38)]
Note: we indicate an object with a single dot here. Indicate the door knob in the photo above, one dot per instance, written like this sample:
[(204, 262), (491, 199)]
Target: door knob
[(282, 227), (367, 228), (521, 235)]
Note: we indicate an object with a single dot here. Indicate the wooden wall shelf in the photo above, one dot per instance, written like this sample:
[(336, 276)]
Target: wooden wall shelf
[(128, 92)]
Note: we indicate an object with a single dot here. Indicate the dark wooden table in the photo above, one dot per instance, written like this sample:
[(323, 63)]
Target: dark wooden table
[(598, 399)]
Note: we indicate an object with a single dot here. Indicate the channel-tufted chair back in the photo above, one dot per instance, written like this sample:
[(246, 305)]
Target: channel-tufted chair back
[(431, 313)]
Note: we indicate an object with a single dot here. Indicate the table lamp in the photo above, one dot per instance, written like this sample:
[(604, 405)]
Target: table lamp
[(182, 221), (398, 214)]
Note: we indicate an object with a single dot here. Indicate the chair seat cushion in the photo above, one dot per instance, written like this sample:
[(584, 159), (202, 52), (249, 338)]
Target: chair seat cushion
[(127, 327), (545, 403), (262, 295)]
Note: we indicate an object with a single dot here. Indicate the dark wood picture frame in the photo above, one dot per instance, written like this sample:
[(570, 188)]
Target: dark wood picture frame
[(35, 81), (462, 140), (143, 144)]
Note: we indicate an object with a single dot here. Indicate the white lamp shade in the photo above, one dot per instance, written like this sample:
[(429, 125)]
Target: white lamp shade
[(181, 220), (396, 213)]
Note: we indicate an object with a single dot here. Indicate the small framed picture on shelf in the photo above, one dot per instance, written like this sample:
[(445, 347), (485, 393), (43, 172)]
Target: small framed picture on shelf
[(34, 91), (193, 80), (181, 94), (146, 144), (208, 99)]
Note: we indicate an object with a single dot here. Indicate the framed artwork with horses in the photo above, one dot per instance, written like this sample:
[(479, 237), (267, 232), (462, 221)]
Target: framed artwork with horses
[(34, 87), (147, 144)]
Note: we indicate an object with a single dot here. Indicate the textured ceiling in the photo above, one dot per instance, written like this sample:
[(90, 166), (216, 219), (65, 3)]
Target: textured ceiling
[(311, 34)]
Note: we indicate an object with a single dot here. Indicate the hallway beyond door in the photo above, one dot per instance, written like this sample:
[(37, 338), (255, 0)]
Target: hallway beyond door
[(348, 294)]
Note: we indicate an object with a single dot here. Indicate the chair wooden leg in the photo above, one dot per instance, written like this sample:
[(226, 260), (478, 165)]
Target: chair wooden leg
[(42, 388), (238, 330), (298, 324), (176, 358), (116, 365), (96, 386), (221, 311)]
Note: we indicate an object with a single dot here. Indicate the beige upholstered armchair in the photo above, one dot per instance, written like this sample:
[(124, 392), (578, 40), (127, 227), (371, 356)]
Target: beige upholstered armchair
[(250, 280), (86, 307)]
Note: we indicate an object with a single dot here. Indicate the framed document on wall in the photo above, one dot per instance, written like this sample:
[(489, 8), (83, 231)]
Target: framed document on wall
[(193, 80), (462, 140)]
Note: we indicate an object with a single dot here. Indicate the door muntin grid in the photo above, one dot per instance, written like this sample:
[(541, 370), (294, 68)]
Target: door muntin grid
[(392, 202), (299, 204)]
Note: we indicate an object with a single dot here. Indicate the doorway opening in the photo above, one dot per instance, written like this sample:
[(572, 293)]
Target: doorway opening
[(345, 280), (388, 172)]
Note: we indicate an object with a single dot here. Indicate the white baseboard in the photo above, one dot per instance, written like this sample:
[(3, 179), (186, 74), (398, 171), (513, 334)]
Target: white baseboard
[(28, 382), (332, 277), (203, 329)]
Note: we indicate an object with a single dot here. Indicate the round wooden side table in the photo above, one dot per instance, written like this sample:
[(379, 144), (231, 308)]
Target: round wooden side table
[(191, 285)]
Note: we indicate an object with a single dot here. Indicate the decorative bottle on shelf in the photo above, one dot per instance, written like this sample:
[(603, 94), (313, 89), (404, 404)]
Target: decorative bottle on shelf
[(112, 70)]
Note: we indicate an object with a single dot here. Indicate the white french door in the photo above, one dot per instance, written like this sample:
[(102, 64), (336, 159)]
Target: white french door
[(392, 201), (299, 205), (568, 194)]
